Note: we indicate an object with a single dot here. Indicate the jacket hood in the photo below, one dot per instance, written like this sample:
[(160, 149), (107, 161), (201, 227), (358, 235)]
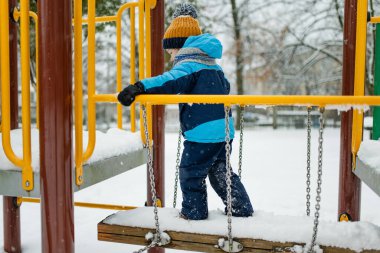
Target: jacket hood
[(207, 43)]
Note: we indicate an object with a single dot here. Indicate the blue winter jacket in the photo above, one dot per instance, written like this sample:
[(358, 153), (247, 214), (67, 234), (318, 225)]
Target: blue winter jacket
[(203, 123)]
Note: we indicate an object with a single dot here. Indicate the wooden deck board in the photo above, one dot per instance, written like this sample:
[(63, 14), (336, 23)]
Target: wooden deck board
[(199, 242)]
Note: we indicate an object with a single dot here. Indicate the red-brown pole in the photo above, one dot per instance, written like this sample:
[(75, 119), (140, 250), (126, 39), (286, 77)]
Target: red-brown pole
[(55, 89), (349, 184), (157, 33), (11, 211)]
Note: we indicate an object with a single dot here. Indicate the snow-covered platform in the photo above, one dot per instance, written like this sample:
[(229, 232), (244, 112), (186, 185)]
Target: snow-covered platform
[(368, 164), (115, 152), (264, 232)]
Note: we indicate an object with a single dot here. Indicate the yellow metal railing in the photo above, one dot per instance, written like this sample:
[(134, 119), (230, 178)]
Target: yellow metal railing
[(81, 156), (360, 59), (244, 100), (20, 200), (16, 16), (375, 20), (25, 162)]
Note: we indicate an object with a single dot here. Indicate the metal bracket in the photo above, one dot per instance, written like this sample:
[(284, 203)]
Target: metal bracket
[(224, 245), (15, 14), (164, 238)]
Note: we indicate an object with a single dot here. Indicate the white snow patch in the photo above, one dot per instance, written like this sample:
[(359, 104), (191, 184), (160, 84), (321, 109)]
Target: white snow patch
[(113, 143), (369, 153)]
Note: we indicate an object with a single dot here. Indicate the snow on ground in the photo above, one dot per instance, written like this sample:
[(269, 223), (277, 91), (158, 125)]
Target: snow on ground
[(273, 173)]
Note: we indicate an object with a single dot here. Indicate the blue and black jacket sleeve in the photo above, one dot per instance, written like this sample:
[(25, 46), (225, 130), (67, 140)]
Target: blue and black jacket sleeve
[(179, 80)]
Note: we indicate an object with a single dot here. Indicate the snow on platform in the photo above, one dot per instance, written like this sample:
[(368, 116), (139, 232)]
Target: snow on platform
[(368, 164), (369, 153), (356, 236), (115, 152), (113, 143)]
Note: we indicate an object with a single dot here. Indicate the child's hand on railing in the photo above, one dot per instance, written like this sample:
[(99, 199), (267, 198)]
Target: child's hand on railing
[(127, 96)]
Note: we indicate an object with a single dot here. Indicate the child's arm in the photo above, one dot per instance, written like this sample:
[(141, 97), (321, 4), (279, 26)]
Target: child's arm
[(176, 81)]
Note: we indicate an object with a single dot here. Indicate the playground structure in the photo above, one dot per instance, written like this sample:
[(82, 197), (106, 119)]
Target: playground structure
[(55, 102)]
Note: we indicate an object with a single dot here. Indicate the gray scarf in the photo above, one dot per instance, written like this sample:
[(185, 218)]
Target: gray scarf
[(193, 55)]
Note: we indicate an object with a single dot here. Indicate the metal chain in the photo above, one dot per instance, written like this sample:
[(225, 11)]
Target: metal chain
[(151, 177), (241, 140), (319, 181), (177, 167), (308, 161), (228, 176), (151, 245)]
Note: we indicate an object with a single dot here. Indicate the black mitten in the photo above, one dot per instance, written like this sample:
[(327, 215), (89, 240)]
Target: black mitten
[(127, 96)]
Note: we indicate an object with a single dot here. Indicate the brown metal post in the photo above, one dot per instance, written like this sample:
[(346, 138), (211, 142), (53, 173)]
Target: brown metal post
[(349, 184), (11, 211), (157, 33), (55, 89)]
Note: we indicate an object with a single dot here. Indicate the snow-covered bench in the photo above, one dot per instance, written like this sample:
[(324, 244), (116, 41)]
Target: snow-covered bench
[(115, 152), (264, 232)]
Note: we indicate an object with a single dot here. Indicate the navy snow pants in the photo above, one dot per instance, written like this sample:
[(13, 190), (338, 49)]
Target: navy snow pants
[(200, 160)]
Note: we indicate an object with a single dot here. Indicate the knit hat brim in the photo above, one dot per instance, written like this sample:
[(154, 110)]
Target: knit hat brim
[(172, 43)]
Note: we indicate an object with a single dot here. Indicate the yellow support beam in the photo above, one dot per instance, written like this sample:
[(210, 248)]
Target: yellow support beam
[(5, 87), (360, 59), (91, 81), (131, 6), (78, 92), (133, 68), (103, 19), (20, 200), (321, 101), (375, 20)]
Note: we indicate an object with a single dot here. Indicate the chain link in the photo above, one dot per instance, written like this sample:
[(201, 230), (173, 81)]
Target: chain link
[(177, 167), (228, 175), (241, 139), (151, 245), (319, 181), (308, 161), (152, 180)]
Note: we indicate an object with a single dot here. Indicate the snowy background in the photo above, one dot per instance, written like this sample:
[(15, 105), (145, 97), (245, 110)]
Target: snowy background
[(274, 173)]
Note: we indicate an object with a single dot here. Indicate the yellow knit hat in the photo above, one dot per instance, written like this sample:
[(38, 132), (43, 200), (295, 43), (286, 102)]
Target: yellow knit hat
[(183, 25)]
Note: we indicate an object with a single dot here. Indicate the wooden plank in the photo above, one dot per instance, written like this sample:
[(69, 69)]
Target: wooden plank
[(190, 237), (179, 245), (200, 242)]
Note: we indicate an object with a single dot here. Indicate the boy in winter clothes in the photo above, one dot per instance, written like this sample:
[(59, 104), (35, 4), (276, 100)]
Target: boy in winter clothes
[(203, 125)]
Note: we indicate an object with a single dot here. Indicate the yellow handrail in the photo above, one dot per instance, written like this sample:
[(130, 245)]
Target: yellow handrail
[(103, 19), (27, 171), (34, 16), (91, 64), (5, 88), (80, 154), (81, 204), (91, 82), (361, 41), (78, 89), (375, 20), (133, 69), (321, 101), (121, 10), (25, 162)]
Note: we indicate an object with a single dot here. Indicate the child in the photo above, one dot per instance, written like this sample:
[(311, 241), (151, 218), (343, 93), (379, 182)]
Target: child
[(203, 125)]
